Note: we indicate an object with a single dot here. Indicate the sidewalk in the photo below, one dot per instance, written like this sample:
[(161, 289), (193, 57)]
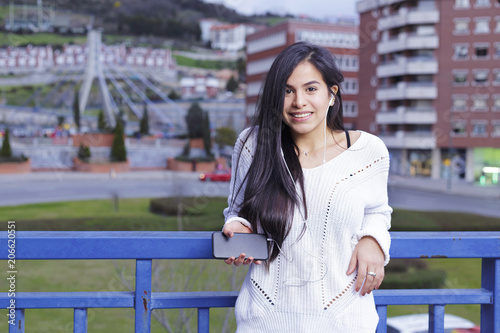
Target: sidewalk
[(455, 187), (60, 175)]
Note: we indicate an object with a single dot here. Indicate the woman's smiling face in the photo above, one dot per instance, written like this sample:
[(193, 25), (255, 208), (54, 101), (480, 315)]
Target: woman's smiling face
[(307, 99)]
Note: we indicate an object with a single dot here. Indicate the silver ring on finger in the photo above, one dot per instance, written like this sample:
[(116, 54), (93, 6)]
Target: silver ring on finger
[(372, 274)]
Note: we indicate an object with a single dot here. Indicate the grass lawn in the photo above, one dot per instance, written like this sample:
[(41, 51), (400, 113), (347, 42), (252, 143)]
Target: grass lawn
[(12, 39), (207, 64), (170, 275)]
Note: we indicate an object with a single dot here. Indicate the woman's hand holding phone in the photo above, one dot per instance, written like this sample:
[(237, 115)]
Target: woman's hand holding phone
[(229, 230)]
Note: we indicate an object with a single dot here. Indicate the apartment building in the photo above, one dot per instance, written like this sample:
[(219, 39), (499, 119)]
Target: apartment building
[(430, 85), (340, 39)]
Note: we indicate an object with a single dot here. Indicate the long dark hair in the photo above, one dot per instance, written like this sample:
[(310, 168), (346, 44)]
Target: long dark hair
[(270, 194)]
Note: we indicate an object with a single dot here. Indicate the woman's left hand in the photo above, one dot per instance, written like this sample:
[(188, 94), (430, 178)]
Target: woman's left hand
[(368, 257)]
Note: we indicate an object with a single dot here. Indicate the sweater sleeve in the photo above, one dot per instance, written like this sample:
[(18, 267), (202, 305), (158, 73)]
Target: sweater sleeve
[(241, 160), (377, 215)]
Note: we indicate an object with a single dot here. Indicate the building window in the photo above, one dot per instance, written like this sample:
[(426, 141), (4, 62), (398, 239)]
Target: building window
[(460, 77), (483, 3), (350, 109), (497, 24), (351, 86), (482, 25), (459, 102), (461, 26), (462, 4), (479, 128), (496, 129), (481, 77), (461, 52), (496, 103), (481, 51), (497, 51), (459, 128), (496, 77), (480, 103)]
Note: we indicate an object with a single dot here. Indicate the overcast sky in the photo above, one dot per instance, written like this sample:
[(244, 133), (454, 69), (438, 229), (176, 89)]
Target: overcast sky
[(315, 8)]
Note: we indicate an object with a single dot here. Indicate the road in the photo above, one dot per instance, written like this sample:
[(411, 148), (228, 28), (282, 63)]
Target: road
[(69, 186)]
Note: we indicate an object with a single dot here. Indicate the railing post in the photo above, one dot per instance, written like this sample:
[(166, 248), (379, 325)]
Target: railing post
[(143, 296), (490, 280), (203, 320), (436, 318), (382, 319), (19, 326), (80, 321)]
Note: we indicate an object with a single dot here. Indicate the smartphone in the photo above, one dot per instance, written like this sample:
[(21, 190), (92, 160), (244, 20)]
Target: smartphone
[(253, 245)]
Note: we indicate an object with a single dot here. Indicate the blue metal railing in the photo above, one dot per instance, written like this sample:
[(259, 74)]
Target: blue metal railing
[(146, 246)]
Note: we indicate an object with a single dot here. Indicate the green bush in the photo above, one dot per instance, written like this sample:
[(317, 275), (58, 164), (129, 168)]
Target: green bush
[(417, 279), (6, 150), (84, 153), (403, 265), (170, 206), (118, 150)]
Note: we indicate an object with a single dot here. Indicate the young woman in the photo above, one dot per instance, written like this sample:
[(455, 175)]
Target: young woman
[(320, 193)]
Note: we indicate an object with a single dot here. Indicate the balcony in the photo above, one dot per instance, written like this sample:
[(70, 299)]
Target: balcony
[(404, 115), (407, 90), (408, 66), (406, 16), (365, 5), (409, 140), (146, 246), (405, 41)]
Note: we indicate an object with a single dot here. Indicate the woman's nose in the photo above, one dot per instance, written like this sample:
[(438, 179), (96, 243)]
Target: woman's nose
[(299, 100)]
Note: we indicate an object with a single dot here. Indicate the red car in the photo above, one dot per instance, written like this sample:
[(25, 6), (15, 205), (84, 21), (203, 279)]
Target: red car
[(216, 176)]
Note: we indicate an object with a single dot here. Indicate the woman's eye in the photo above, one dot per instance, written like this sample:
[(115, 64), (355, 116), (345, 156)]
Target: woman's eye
[(309, 89), (288, 91)]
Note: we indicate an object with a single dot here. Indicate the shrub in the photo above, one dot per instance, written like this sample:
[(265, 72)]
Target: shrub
[(6, 149), (170, 206), (84, 153), (118, 150), (418, 279)]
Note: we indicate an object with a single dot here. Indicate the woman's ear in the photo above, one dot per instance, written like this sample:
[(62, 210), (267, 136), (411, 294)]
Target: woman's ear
[(335, 88)]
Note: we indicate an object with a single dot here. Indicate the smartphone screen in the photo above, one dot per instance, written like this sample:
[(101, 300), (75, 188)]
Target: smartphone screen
[(253, 245)]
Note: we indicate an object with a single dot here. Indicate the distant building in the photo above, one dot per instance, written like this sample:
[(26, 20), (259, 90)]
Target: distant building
[(25, 59), (205, 25), (340, 39), (198, 86), (431, 85), (31, 58), (230, 37)]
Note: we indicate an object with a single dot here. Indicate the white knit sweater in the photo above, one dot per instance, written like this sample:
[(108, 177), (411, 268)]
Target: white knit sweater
[(306, 288)]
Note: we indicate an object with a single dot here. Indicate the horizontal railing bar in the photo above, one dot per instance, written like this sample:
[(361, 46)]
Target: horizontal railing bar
[(214, 299), (432, 296), (198, 245), (120, 299), (88, 299), (206, 299)]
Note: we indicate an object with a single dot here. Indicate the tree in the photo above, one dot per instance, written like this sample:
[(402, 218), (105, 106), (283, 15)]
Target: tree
[(6, 149), (194, 121), (84, 153), (101, 123), (241, 66), (232, 85), (144, 127), (173, 95), (76, 110), (207, 139), (60, 121), (118, 150), (225, 136)]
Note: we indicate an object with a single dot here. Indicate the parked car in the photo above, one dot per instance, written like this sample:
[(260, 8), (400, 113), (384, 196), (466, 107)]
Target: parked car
[(216, 176), (419, 323)]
